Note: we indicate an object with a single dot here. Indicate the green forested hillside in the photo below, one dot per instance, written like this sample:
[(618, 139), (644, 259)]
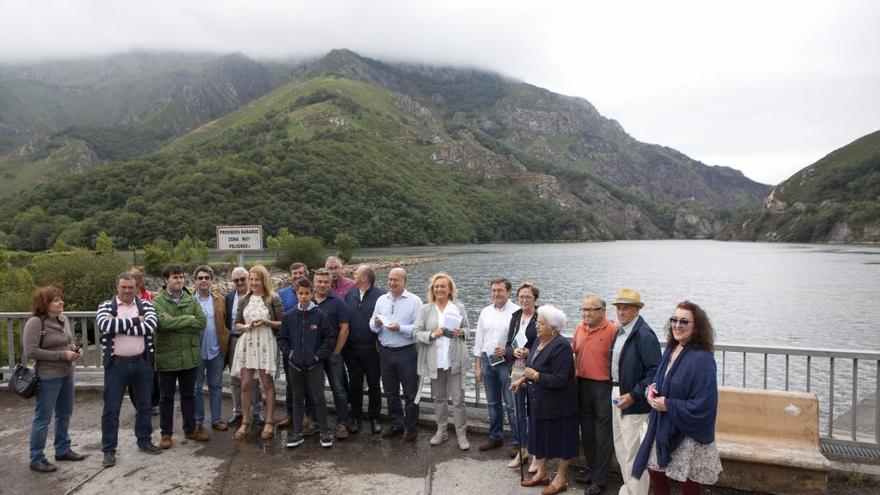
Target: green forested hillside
[(836, 199), (317, 161)]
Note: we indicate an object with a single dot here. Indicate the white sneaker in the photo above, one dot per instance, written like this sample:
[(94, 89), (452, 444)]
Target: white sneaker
[(441, 436), (463, 443)]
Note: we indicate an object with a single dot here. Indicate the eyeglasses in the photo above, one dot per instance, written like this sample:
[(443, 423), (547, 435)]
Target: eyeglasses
[(675, 321), (587, 310), (203, 277), (525, 297), (242, 279)]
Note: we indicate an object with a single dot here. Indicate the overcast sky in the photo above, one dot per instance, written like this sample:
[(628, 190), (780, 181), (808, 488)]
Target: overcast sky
[(766, 87)]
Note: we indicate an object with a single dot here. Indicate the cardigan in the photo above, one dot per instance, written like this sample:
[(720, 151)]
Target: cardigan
[(110, 326), (555, 393), (691, 392), (426, 322), (51, 362), (531, 332)]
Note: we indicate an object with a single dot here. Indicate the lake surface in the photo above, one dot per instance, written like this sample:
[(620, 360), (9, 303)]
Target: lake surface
[(755, 293)]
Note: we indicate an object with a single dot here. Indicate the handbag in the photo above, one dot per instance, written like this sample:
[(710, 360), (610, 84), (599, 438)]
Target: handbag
[(24, 380)]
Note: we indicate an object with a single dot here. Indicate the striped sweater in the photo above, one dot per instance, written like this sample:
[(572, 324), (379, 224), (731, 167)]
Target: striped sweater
[(109, 326)]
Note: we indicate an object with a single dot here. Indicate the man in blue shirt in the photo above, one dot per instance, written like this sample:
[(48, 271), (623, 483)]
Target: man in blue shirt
[(392, 320), (215, 342), (337, 313)]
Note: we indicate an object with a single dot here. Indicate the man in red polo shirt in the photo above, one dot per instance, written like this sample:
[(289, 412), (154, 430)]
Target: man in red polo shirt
[(592, 350)]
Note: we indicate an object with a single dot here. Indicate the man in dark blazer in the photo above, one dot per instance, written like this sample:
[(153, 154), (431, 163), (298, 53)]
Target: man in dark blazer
[(239, 289), (635, 355)]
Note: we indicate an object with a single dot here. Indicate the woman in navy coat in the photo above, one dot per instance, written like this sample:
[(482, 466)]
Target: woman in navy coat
[(680, 441), (552, 400)]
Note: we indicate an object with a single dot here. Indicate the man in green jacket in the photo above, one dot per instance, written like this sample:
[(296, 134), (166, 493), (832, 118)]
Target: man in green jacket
[(178, 353)]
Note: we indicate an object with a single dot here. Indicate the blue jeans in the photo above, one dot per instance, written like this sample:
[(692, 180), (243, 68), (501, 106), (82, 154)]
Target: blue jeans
[(117, 377), (496, 381), (55, 394), (214, 369), (334, 368)]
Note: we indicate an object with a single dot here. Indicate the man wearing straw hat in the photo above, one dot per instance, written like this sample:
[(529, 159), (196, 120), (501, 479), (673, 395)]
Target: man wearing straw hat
[(635, 355)]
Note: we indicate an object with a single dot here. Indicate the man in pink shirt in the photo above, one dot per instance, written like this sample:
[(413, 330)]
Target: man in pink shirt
[(340, 284), (128, 325)]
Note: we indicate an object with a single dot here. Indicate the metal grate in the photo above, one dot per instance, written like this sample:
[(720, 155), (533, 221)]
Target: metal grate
[(858, 451)]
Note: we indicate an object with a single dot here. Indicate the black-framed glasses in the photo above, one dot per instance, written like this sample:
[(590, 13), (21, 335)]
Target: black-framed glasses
[(203, 277), (676, 321), (587, 310), (240, 279)]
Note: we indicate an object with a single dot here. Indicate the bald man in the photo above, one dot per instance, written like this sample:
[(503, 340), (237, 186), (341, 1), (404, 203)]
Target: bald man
[(393, 319)]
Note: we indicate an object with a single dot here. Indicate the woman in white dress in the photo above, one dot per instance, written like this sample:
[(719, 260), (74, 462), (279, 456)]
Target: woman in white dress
[(258, 319)]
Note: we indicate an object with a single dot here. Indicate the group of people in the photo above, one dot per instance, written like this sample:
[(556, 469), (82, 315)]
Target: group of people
[(608, 389)]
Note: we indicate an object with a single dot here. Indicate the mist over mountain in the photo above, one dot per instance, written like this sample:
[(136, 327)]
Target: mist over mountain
[(337, 130)]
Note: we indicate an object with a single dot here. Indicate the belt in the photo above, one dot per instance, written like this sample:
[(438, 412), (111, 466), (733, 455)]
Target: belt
[(615, 384), (129, 359), (399, 348)]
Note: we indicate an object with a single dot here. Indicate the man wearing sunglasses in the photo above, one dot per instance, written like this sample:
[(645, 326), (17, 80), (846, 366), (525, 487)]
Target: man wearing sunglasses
[(215, 347), (635, 355), (239, 289)]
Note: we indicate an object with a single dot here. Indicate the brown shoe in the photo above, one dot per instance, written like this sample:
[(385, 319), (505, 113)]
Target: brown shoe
[(220, 426), (243, 430), (284, 423), (165, 442), (341, 432), (268, 430), (198, 435), (491, 444)]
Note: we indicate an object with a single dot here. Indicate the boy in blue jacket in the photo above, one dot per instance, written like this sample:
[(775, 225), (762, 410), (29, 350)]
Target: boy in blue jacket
[(306, 339)]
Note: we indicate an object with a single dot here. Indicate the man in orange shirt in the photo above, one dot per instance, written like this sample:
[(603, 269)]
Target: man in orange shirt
[(592, 350)]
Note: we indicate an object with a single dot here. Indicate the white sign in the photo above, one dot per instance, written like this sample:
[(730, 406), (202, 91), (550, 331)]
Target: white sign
[(239, 238)]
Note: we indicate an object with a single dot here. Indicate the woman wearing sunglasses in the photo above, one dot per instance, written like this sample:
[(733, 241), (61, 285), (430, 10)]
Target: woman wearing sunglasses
[(680, 442)]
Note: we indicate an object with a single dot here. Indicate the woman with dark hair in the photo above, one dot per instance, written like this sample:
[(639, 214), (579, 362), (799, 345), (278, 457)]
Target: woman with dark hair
[(680, 441), (47, 339), (520, 337)]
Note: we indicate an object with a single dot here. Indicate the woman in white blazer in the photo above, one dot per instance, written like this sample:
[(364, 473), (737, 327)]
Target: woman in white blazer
[(441, 332)]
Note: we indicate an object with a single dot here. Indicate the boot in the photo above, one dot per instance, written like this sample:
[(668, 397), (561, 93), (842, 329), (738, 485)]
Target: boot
[(441, 435), (461, 433)]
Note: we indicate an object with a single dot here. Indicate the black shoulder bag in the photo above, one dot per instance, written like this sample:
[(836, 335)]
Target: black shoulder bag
[(24, 380)]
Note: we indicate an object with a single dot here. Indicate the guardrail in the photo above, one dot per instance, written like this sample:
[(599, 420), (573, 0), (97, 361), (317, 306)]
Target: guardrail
[(849, 410)]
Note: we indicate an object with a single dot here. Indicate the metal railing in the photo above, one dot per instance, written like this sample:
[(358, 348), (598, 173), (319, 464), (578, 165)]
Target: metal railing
[(845, 381)]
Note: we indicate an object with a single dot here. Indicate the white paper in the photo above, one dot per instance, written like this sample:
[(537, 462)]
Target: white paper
[(384, 319), (451, 320), (521, 339)]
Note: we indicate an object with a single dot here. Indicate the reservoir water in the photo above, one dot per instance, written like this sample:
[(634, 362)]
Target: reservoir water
[(755, 293)]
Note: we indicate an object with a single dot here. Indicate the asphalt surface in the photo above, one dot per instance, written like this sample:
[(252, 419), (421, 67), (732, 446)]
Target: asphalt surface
[(361, 464)]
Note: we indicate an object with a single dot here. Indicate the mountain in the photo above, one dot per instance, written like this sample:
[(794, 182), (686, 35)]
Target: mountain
[(836, 199), (392, 153), (66, 116)]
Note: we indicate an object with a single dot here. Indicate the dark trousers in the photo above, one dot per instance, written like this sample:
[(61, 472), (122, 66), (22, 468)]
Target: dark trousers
[(168, 381), (361, 363), (334, 368), (313, 381), (138, 377), (398, 365), (288, 389), (154, 391), (594, 398)]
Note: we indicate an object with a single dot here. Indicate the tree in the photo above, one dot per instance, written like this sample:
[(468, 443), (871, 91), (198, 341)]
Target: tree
[(103, 244), (305, 249), (345, 246)]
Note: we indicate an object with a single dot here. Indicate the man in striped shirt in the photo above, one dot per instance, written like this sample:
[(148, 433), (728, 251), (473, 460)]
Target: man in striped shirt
[(127, 325)]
